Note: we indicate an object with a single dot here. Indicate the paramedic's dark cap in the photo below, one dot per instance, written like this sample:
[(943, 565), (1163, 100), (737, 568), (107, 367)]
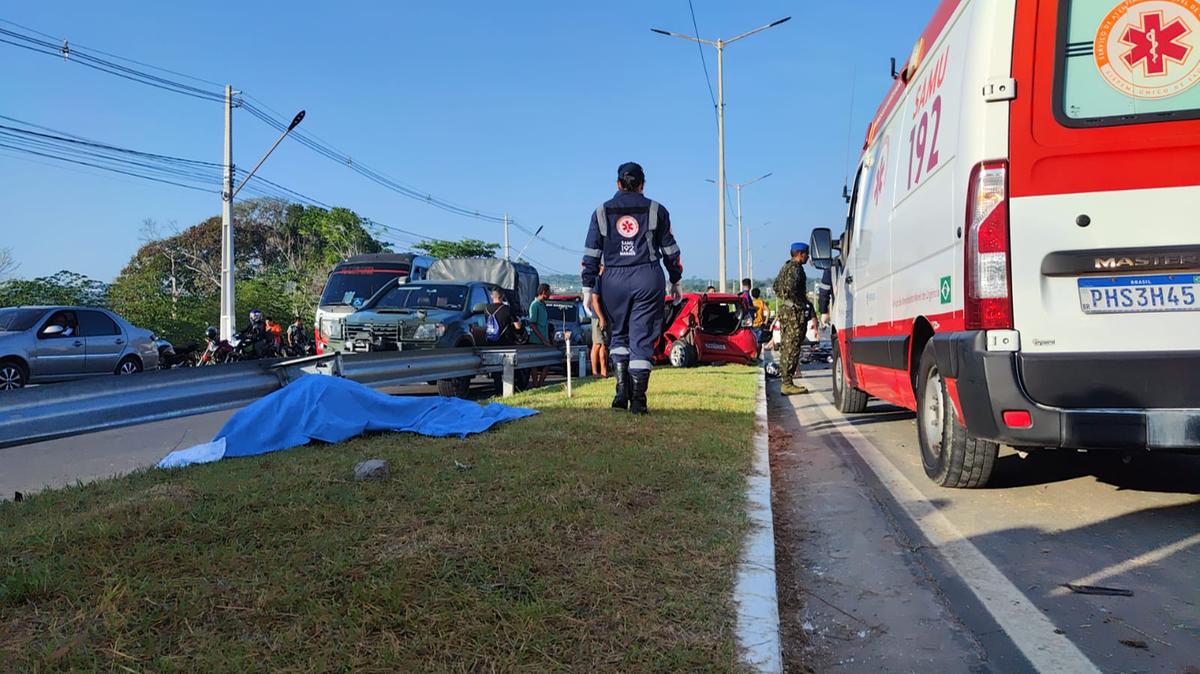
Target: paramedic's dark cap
[(633, 169), (799, 247)]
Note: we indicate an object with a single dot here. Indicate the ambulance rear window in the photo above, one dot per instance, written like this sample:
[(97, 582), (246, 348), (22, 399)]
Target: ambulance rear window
[(1128, 61)]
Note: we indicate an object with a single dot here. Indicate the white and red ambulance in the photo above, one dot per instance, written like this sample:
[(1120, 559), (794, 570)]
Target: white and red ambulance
[(1021, 260)]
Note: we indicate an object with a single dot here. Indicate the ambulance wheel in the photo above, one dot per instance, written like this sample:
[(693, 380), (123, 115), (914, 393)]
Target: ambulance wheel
[(682, 354), (951, 456), (454, 388), (846, 398)]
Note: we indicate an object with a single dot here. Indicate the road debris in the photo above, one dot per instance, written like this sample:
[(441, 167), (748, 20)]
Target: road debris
[(1135, 643), (1098, 590), (1114, 619)]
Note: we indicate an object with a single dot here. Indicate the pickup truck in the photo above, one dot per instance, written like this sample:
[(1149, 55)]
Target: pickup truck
[(444, 311)]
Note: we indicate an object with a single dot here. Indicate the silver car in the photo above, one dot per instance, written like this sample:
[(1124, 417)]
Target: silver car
[(47, 344)]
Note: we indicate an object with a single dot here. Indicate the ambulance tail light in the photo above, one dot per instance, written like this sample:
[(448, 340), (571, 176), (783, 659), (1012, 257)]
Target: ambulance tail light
[(988, 302)]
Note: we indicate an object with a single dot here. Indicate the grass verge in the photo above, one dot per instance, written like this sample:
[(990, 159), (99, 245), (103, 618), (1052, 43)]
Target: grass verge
[(580, 539)]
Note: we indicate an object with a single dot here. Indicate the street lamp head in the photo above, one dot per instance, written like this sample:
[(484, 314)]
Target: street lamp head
[(660, 32), (783, 20), (296, 121)]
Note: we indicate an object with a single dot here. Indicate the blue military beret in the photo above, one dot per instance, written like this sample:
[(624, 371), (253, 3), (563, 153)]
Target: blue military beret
[(799, 246)]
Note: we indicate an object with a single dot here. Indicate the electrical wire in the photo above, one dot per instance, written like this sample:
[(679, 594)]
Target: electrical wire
[(82, 56), (703, 62)]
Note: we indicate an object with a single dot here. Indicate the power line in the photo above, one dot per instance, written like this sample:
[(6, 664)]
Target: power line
[(327, 150), (116, 56), (103, 65), (703, 62), (83, 57), (105, 168), (63, 147)]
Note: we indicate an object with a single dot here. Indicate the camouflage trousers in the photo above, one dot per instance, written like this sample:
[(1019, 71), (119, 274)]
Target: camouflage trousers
[(791, 331)]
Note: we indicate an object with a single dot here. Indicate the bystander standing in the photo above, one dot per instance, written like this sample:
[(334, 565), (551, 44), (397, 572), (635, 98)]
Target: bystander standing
[(599, 355), (539, 330)]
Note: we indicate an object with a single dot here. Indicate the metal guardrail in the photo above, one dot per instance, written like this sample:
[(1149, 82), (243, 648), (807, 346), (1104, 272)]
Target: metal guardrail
[(48, 412)]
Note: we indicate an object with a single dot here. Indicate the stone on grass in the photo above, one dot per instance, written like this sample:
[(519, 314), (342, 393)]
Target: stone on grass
[(375, 469)]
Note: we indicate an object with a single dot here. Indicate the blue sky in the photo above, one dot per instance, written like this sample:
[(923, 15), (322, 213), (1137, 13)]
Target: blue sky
[(521, 107)]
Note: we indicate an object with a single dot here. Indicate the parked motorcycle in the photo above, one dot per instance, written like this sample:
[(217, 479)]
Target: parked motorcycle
[(236, 349), (217, 350), (171, 356)]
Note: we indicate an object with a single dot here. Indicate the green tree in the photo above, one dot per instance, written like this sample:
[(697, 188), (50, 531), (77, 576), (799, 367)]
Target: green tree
[(441, 249), (64, 287), (284, 254)]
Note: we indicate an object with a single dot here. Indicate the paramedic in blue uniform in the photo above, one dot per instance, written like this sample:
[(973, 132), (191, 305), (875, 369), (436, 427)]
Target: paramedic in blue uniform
[(630, 236)]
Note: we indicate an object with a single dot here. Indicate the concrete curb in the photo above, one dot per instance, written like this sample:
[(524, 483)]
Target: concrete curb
[(755, 592)]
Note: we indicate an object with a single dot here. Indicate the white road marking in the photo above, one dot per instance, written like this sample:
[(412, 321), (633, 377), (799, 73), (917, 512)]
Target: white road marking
[(1130, 564), (1030, 630)]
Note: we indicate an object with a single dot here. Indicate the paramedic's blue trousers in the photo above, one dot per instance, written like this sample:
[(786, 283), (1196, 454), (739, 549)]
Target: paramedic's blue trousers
[(632, 299)]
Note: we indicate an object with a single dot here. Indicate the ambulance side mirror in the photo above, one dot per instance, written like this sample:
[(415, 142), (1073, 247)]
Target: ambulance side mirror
[(821, 248)]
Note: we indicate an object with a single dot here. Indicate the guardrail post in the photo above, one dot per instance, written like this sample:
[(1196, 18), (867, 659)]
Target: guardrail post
[(508, 376), (569, 393)]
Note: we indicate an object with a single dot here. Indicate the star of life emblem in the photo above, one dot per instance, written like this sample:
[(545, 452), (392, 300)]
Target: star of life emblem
[(627, 226), (1148, 48)]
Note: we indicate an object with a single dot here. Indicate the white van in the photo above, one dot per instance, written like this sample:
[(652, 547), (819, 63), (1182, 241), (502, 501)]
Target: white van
[(1021, 260)]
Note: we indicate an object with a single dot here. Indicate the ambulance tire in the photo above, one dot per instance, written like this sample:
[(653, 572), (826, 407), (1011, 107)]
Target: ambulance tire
[(951, 456), (846, 398)]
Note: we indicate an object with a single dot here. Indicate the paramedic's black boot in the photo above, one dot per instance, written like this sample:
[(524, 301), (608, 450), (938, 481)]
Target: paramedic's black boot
[(621, 374), (641, 382)]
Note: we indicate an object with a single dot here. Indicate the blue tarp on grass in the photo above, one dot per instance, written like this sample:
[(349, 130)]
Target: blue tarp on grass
[(332, 409)]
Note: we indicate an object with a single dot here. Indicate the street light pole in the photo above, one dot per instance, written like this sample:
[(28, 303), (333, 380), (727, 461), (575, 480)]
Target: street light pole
[(739, 250), (721, 261), (749, 258), (228, 311), (227, 300), (720, 46), (507, 250), (738, 188)]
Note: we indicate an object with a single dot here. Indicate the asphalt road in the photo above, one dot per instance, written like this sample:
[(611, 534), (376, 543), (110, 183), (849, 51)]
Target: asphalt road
[(91, 456), (883, 571)]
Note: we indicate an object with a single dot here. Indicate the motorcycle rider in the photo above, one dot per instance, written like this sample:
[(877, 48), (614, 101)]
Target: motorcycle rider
[(256, 336), (297, 338)]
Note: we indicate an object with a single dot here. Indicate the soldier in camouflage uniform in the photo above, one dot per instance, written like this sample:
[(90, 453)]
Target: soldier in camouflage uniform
[(791, 286)]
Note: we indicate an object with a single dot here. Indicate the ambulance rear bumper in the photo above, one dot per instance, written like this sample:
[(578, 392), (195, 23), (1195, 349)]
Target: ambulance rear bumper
[(1145, 413)]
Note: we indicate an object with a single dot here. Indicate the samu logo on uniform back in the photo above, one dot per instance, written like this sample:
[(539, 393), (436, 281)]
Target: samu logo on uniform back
[(627, 226)]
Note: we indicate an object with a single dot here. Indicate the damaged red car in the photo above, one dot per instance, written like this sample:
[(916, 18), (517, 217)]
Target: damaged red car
[(707, 328)]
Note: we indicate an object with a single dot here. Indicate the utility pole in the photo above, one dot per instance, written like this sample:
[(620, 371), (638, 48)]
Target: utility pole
[(749, 258), (720, 45), (740, 249), (228, 192), (721, 165), (738, 187), (227, 299), (507, 250)]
